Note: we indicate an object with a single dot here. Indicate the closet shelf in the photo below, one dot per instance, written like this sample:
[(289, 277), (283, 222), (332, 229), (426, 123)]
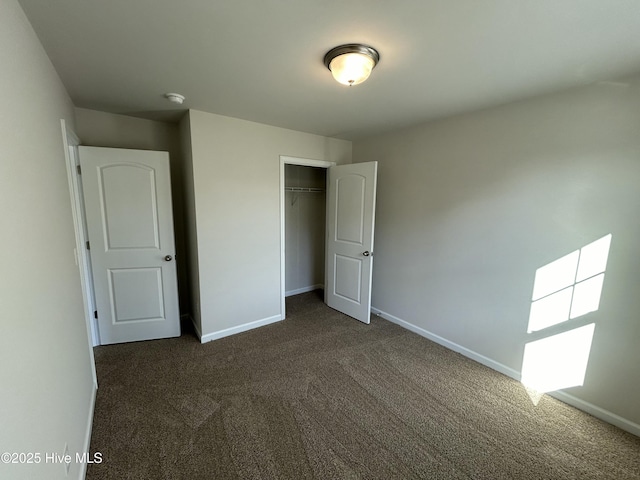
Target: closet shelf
[(303, 190)]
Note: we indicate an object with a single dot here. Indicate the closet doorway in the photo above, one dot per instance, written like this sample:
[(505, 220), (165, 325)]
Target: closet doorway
[(303, 189), (349, 197)]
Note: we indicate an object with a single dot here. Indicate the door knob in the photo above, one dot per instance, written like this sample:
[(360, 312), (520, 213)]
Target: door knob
[(168, 258), (366, 253)]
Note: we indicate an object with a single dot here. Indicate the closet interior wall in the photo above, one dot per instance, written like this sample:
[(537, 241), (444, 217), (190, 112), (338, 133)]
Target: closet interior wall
[(305, 205)]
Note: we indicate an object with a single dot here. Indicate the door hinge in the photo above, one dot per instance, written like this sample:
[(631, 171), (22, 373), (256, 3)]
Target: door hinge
[(95, 314), (79, 169), (88, 246)]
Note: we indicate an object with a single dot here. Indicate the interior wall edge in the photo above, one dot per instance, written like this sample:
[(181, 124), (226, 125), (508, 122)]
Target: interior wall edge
[(196, 328)]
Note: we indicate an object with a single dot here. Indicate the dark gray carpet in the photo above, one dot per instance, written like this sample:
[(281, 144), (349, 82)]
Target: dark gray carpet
[(322, 396)]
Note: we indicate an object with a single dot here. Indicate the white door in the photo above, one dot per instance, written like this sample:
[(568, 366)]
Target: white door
[(350, 224), (128, 207)]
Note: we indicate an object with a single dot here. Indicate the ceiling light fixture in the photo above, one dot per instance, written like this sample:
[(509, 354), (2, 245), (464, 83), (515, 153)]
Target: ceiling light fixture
[(175, 98), (351, 64)]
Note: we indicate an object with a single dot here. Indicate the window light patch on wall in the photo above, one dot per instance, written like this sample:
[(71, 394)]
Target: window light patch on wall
[(564, 290), (570, 286), (558, 361)]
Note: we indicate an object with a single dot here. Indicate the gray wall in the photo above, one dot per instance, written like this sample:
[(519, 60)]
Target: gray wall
[(469, 207), (305, 221), (236, 172), (101, 129), (46, 378)]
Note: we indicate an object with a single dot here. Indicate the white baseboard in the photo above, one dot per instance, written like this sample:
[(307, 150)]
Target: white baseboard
[(597, 412), (239, 329), (510, 372), (87, 437), (590, 408), (298, 291)]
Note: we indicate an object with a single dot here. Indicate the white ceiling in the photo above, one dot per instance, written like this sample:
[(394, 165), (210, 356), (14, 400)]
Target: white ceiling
[(261, 60)]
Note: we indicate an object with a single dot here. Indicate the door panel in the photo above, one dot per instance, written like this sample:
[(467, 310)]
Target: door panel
[(350, 228), (129, 206), (348, 278), (350, 216), (136, 294), (129, 218)]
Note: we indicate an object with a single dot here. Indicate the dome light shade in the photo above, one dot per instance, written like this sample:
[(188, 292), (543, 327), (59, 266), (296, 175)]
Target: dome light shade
[(351, 64)]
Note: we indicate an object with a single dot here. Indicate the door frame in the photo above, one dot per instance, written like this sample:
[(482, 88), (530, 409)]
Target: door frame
[(71, 142), (305, 162)]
